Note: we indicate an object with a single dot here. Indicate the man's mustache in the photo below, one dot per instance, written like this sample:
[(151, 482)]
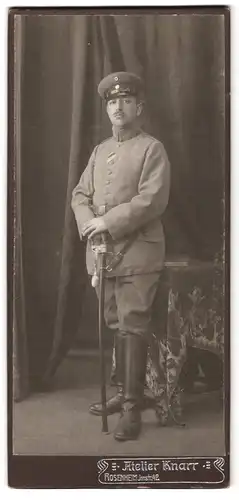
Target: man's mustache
[(119, 113)]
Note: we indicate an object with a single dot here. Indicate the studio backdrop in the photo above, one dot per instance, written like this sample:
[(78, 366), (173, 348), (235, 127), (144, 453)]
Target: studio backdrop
[(60, 60)]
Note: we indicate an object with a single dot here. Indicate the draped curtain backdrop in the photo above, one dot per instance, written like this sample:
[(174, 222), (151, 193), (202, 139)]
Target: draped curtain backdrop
[(60, 60)]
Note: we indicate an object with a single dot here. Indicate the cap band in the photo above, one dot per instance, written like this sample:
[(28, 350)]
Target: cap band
[(120, 91)]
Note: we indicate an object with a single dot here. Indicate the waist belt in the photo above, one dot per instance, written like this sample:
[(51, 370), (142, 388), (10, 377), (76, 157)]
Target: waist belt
[(100, 210)]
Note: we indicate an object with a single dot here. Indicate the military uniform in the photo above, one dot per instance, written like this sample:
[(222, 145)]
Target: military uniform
[(127, 178), (127, 182)]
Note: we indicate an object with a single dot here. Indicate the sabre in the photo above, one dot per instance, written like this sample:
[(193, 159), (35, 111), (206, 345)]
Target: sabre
[(101, 257)]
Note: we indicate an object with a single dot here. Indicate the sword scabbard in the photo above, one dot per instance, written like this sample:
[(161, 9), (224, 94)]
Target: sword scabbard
[(102, 257)]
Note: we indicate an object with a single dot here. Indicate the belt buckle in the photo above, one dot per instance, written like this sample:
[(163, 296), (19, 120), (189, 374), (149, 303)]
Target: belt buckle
[(101, 210)]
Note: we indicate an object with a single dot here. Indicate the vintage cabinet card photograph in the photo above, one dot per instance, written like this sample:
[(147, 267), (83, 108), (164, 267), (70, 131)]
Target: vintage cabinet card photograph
[(118, 247)]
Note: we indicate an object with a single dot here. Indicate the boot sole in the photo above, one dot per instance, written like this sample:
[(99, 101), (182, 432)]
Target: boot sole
[(99, 413), (124, 438), (146, 404)]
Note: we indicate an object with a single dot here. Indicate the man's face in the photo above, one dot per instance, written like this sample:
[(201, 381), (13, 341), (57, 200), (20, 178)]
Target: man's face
[(123, 110)]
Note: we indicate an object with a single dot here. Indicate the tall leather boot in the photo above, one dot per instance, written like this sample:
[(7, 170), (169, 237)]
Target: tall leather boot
[(114, 404), (129, 425)]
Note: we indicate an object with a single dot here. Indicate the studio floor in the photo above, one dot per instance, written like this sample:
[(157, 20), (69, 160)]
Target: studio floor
[(58, 422)]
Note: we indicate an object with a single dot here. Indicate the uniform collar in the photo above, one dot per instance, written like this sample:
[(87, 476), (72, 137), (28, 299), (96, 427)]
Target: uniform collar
[(124, 134)]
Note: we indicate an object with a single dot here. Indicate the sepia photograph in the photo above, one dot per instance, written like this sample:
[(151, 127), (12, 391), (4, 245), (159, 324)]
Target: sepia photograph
[(118, 247)]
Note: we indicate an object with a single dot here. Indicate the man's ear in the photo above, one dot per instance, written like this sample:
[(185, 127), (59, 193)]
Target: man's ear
[(139, 108), (107, 107)]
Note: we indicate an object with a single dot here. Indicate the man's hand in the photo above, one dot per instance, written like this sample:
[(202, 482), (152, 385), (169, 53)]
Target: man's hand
[(93, 227)]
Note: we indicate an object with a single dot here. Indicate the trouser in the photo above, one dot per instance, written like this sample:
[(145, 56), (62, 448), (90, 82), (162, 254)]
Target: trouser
[(127, 309), (128, 303)]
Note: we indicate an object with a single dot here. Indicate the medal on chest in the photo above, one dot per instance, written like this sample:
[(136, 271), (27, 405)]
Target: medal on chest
[(111, 158)]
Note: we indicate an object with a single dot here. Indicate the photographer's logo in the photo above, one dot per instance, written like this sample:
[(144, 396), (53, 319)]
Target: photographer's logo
[(144, 472)]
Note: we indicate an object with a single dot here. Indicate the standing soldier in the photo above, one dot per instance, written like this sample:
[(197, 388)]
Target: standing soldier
[(122, 194)]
